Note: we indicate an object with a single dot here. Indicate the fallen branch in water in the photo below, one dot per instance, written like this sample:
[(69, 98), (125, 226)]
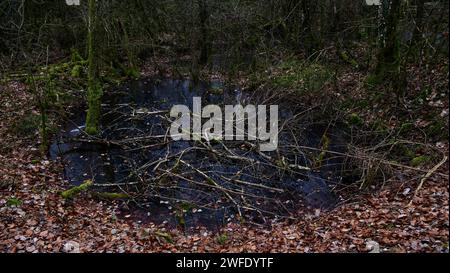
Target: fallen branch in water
[(214, 183), (110, 195)]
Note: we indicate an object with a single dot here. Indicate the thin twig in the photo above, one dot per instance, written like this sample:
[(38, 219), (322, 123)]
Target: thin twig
[(429, 173)]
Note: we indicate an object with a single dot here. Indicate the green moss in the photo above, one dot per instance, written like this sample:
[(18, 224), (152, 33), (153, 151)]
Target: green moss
[(94, 87), (76, 71), (75, 56), (132, 72), (13, 202), (302, 77), (166, 236), (52, 71), (420, 160), (74, 191), (355, 119), (325, 143), (409, 153), (111, 195), (222, 239), (344, 56), (94, 109)]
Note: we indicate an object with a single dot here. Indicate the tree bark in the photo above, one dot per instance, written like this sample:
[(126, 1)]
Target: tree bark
[(388, 57), (418, 24), (94, 88), (203, 41)]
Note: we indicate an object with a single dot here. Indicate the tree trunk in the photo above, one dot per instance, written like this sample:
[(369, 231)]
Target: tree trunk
[(419, 18), (310, 39), (389, 54), (203, 41), (94, 88)]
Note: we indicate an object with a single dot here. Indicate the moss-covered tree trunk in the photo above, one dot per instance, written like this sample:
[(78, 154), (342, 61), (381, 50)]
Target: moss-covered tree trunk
[(94, 88)]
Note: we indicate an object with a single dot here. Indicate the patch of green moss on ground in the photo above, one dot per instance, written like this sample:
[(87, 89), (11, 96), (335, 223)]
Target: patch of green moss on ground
[(222, 238), (303, 77), (76, 71), (13, 202), (355, 119), (420, 160)]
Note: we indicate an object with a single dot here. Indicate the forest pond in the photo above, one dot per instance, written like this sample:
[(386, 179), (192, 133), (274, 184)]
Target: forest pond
[(196, 183)]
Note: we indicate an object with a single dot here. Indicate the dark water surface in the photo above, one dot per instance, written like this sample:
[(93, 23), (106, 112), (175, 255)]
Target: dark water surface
[(129, 156)]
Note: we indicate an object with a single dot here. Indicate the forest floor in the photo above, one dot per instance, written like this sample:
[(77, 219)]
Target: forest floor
[(35, 218)]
